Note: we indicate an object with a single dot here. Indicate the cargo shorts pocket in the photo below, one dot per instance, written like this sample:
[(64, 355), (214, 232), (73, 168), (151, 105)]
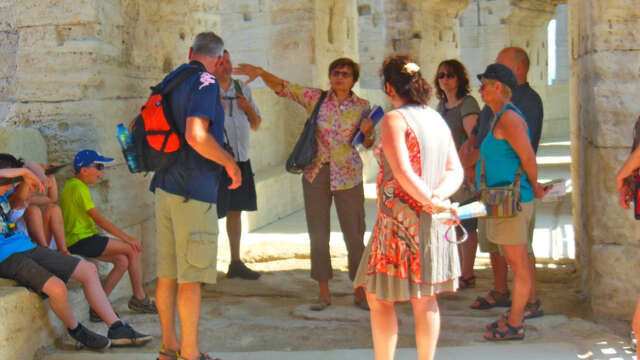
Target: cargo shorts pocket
[(202, 249)]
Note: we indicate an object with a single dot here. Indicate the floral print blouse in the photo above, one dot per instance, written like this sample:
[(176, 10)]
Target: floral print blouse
[(337, 124)]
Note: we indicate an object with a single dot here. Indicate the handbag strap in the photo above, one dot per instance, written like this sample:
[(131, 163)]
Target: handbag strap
[(316, 109)]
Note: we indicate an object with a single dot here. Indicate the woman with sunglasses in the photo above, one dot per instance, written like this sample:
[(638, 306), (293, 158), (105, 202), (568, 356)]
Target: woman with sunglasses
[(408, 257), (460, 110), (506, 155), (336, 172)]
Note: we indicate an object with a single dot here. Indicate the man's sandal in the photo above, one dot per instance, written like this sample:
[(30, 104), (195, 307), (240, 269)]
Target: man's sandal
[(203, 356), (466, 283), (531, 310), (319, 304), (168, 354), (512, 333), (501, 300)]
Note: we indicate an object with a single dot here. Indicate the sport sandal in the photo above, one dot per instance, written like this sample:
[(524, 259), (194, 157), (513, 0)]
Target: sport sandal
[(169, 354), (512, 333), (501, 300), (203, 356)]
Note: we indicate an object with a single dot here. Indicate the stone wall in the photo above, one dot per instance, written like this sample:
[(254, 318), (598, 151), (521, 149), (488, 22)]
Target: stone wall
[(605, 52)]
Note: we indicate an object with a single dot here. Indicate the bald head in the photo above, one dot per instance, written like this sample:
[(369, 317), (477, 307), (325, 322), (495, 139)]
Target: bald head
[(517, 60)]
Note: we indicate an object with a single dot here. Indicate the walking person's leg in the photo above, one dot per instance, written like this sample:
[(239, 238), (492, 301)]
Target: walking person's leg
[(234, 231), (317, 203), (384, 327), (427, 322)]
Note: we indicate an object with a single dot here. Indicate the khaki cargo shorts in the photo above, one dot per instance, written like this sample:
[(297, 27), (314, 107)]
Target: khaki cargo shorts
[(187, 234), (509, 231)]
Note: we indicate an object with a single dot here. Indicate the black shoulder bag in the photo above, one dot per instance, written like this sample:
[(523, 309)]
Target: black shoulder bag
[(307, 146)]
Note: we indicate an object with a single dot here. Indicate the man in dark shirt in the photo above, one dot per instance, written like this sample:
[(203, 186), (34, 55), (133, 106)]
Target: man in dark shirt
[(530, 104), (185, 197)]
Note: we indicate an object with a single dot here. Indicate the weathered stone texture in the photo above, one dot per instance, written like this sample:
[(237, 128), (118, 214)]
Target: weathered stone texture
[(604, 83)]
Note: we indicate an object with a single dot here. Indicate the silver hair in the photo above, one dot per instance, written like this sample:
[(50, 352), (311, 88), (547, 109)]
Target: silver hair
[(208, 44)]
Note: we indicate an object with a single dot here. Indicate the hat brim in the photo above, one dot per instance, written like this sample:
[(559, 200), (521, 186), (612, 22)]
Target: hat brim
[(103, 160)]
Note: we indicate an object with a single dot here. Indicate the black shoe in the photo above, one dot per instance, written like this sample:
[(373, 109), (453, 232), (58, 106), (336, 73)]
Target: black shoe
[(87, 338), (122, 334), (238, 269)]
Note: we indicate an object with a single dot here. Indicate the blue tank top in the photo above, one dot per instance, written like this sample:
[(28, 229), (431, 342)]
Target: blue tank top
[(501, 162)]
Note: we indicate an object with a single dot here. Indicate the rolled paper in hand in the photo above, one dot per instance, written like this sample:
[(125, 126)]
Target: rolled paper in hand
[(473, 210)]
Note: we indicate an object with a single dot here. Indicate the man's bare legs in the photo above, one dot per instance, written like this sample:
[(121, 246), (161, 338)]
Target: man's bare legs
[(234, 232), (189, 312), (166, 292), (124, 258), (468, 255)]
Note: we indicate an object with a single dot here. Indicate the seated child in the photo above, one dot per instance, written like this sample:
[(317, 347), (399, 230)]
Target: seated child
[(41, 225), (46, 271), (80, 218)]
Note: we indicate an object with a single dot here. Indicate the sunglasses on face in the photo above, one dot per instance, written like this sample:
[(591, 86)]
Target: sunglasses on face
[(442, 75), (342, 74), (98, 167)]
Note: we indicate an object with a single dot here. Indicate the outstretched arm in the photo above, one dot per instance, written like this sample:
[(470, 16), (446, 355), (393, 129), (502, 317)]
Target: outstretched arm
[(273, 82)]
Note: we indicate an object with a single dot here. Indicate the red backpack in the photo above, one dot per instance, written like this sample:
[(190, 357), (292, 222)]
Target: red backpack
[(156, 138)]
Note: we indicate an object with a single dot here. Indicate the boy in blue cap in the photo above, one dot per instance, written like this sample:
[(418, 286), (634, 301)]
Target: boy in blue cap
[(80, 218), (46, 271)]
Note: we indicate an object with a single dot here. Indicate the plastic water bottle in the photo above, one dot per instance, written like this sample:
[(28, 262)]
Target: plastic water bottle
[(126, 143)]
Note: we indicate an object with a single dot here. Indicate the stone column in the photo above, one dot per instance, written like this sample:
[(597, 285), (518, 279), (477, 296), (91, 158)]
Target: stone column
[(604, 51)]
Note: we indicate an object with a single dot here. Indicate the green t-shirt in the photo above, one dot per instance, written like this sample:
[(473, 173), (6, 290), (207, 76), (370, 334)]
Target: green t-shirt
[(75, 201)]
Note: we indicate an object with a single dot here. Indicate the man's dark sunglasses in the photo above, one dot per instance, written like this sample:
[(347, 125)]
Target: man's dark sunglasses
[(97, 166), (441, 75)]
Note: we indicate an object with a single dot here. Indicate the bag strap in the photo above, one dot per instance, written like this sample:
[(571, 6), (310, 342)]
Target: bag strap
[(192, 68), (316, 110)]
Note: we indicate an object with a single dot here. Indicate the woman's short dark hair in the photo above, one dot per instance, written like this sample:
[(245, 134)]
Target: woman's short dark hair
[(8, 161), (342, 62), (456, 68), (409, 85)]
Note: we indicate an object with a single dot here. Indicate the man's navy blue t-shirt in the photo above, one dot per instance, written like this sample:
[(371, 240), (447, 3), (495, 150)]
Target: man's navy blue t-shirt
[(526, 100), (194, 176)]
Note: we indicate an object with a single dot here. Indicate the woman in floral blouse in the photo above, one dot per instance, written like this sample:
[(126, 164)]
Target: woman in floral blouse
[(336, 172)]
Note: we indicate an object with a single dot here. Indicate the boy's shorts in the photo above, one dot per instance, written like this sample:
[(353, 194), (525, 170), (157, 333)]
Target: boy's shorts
[(33, 268), (187, 234), (92, 247)]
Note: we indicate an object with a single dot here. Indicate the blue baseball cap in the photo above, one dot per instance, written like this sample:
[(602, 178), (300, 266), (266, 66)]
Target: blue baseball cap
[(87, 157)]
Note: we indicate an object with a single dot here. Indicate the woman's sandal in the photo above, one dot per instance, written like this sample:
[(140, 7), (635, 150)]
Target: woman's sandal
[(466, 283), (320, 304), (501, 300), (512, 333), (531, 310), (169, 354)]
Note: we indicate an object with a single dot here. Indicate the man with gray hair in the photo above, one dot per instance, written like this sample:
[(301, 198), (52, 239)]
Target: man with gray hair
[(185, 196)]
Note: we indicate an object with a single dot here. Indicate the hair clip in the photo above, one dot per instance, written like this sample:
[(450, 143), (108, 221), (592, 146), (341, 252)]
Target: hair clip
[(410, 68)]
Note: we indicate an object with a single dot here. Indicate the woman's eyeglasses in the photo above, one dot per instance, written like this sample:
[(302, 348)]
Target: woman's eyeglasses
[(98, 166), (442, 75), (342, 74)]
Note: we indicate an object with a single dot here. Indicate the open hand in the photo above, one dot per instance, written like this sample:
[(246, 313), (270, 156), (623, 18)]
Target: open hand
[(248, 70), (33, 182)]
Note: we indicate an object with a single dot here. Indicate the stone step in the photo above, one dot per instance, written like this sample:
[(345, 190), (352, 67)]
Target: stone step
[(28, 323), (546, 351)]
